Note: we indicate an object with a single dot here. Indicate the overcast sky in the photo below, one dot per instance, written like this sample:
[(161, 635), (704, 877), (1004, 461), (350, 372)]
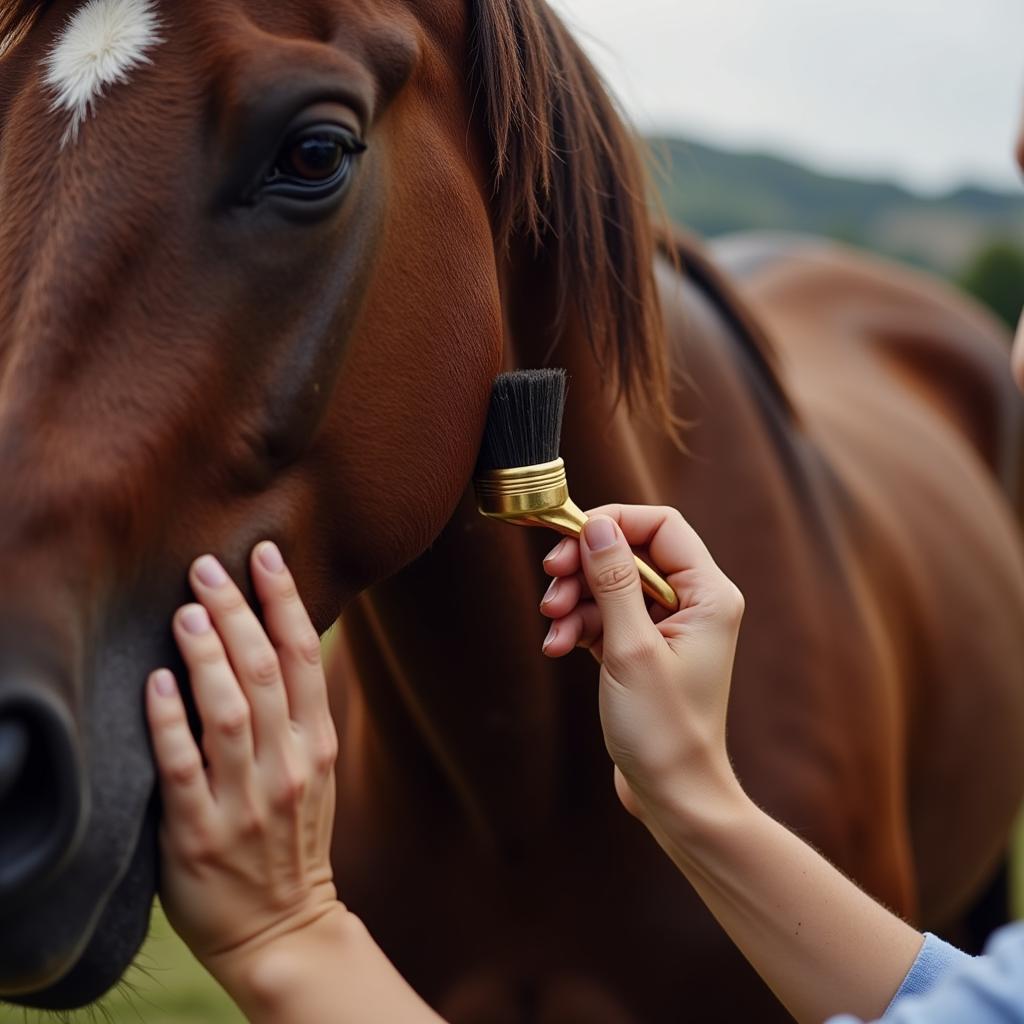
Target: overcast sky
[(926, 91)]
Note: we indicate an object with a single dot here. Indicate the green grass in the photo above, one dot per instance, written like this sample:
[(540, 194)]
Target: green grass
[(169, 986)]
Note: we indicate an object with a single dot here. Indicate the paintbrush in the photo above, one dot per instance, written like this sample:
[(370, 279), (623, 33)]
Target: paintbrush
[(519, 476)]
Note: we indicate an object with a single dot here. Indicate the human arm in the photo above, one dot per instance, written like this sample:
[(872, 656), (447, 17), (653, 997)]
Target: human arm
[(820, 942), (245, 873)]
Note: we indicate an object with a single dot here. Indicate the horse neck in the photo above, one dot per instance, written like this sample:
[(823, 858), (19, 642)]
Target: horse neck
[(727, 391), (448, 651)]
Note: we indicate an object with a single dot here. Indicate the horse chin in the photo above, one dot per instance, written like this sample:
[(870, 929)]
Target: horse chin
[(117, 934)]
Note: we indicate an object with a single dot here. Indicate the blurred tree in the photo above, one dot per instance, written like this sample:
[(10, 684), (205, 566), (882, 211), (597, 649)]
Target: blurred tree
[(995, 275)]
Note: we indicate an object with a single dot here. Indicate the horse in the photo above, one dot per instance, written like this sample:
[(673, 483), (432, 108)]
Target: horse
[(259, 264)]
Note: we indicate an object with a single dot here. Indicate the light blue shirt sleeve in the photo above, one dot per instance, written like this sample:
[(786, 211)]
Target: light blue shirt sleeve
[(945, 986)]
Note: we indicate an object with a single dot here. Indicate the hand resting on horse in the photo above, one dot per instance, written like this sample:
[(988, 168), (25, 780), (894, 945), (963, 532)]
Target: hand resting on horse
[(246, 877)]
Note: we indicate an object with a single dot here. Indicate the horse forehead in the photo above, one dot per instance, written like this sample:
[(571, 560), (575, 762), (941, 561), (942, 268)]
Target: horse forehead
[(101, 44), (104, 41)]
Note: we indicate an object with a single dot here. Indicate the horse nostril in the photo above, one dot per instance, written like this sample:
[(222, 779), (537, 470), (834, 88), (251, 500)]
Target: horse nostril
[(13, 749), (40, 796)]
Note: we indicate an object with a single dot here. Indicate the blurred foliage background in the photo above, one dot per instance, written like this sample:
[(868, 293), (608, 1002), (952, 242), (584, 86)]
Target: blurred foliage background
[(995, 275), (970, 236)]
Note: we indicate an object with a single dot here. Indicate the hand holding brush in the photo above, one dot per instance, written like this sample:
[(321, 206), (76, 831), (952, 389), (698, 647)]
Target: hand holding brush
[(520, 477)]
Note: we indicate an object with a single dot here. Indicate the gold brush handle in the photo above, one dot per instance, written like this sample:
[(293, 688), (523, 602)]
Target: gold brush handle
[(568, 519)]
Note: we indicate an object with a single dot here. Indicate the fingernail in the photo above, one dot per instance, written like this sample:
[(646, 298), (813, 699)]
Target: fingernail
[(270, 557), (163, 683), (556, 550), (195, 620), (551, 591), (549, 639), (599, 533), (211, 572)]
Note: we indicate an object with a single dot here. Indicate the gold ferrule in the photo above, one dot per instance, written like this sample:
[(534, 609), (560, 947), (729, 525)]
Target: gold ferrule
[(522, 492), (539, 496)]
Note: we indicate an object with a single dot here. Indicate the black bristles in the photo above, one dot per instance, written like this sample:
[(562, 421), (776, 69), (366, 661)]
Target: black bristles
[(524, 425)]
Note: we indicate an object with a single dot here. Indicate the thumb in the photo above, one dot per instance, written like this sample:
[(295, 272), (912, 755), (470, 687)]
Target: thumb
[(614, 581)]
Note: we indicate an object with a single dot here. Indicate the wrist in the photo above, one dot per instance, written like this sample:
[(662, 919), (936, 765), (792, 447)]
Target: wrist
[(264, 978), (689, 809)]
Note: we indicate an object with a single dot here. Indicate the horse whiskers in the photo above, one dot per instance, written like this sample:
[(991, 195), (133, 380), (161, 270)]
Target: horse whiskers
[(94, 1012)]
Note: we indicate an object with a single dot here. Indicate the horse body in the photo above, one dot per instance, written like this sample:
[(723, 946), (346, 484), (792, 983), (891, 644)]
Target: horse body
[(906, 389), (860, 506)]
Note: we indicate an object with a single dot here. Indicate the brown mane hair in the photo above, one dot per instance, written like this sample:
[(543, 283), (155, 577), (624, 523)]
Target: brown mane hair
[(569, 177), (16, 17)]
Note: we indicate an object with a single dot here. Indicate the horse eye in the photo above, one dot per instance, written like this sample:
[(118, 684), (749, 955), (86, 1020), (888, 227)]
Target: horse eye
[(315, 158), (313, 163)]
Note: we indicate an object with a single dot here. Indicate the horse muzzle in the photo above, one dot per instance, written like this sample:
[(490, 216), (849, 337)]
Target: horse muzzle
[(44, 812), (44, 803), (77, 831)]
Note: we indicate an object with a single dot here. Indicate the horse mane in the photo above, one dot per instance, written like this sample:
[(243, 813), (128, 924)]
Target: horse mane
[(569, 177), (16, 18)]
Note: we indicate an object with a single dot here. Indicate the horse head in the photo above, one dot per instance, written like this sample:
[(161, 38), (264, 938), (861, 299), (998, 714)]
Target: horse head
[(255, 261)]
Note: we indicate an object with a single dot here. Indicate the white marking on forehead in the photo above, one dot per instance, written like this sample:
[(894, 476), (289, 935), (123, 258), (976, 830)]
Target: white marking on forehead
[(103, 41)]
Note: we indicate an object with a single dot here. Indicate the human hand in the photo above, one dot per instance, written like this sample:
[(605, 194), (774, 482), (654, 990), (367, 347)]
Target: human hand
[(664, 681), (245, 837)]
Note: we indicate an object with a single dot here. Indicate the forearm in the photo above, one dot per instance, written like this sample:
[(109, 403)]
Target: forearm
[(332, 971), (820, 943)]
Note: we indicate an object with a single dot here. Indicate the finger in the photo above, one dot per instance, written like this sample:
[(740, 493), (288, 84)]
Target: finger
[(580, 628), (562, 596), (223, 709), (674, 547), (294, 638), (183, 784), (672, 542), (250, 652), (564, 558), (630, 637)]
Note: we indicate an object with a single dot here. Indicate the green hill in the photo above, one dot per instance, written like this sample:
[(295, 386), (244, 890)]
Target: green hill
[(714, 192)]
